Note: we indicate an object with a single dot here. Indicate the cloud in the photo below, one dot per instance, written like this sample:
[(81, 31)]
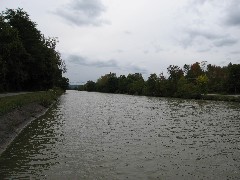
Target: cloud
[(233, 13), (128, 32), (136, 69), (214, 38), (225, 42), (191, 35), (235, 52), (112, 63), (198, 2), (85, 62), (83, 12)]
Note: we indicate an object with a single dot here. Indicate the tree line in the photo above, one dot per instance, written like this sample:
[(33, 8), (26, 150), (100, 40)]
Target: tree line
[(190, 81), (28, 60)]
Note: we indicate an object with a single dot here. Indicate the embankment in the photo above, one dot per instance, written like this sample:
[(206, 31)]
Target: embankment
[(18, 111)]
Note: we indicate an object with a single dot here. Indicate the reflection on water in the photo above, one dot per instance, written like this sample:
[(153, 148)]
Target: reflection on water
[(107, 136)]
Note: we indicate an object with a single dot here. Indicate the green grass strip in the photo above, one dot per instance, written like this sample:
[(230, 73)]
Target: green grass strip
[(44, 98)]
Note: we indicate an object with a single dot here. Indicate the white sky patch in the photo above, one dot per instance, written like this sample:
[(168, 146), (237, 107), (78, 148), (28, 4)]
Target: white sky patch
[(125, 36)]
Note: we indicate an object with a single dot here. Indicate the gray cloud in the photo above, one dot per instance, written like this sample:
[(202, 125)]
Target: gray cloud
[(119, 51), (79, 60), (83, 12), (235, 52), (198, 2), (85, 62), (192, 34), (216, 39), (128, 32), (225, 42), (205, 34), (204, 49), (233, 13)]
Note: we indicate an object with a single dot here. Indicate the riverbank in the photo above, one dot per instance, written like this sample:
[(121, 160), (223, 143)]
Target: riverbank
[(16, 112), (219, 97)]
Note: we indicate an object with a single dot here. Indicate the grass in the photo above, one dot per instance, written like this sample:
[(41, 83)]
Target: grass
[(221, 98), (44, 98)]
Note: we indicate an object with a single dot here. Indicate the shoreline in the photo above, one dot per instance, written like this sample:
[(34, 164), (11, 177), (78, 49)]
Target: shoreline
[(205, 97), (15, 121)]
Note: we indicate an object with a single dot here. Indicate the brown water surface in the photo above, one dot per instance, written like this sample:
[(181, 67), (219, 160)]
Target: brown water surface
[(108, 136)]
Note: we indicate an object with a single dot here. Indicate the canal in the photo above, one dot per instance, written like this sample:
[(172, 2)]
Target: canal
[(88, 135)]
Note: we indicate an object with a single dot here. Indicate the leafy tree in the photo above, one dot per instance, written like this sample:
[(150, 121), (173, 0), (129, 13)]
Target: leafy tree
[(217, 77), (194, 71), (108, 83), (202, 82), (28, 60), (185, 89), (233, 80), (175, 73), (122, 84), (135, 83), (151, 85), (162, 86), (12, 58), (90, 86)]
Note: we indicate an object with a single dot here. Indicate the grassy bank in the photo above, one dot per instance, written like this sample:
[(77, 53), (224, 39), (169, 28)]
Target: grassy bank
[(219, 97), (44, 98)]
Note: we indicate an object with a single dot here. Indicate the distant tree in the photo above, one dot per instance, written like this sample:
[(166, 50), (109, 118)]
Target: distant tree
[(186, 89), (162, 86), (190, 82), (194, 71), (151, 85), (233, 80), (122, 84), (175, 73), (217, 77), (107, 83), (136, 83), (202, 82), (90, 86), (186, 69)]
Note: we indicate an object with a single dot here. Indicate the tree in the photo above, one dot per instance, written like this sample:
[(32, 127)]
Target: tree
[(162, 86), (194, 71), (135, 83), (233, 80), (217, 77), (12, 58), (186, 89), (151, 84), (122, 84), (27, 54), (108, 83), (202, 82), (175, 73), (90, 86)]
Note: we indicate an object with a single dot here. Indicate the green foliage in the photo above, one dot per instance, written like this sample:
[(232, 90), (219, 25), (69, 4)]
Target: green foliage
[(135, 83), (28, 60), (193, 81), (152, 85), (186, 89), (107, 83), (90, 86), (202, 82), (233, 79), (217, 77)]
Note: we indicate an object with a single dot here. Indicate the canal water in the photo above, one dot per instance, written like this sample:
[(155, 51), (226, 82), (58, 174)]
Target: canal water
[(108, 136)]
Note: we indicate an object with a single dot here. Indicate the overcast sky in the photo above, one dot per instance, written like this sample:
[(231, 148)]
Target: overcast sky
[(127, 36)]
